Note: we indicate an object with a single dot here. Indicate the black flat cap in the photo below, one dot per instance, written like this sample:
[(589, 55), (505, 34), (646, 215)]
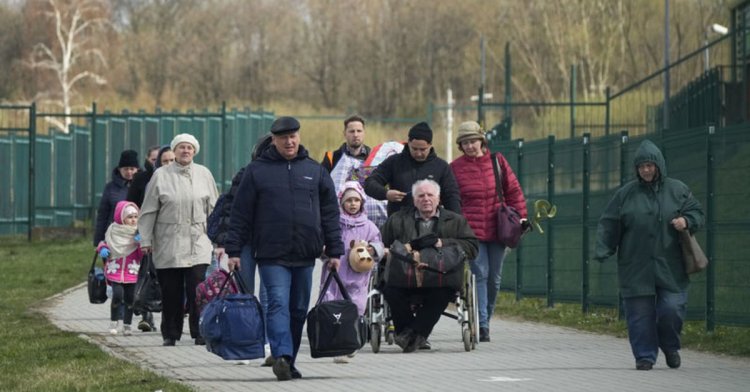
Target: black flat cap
[(284, 125)]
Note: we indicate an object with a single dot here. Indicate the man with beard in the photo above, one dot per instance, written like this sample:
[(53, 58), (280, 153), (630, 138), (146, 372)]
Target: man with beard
[(353, 146)]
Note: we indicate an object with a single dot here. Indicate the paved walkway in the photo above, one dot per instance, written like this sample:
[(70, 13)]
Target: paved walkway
[(521, 357)]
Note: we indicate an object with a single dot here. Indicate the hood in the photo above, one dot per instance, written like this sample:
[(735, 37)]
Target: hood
[(271, 154), (648, 152), (162, 150), (120, 208), (357, 187)]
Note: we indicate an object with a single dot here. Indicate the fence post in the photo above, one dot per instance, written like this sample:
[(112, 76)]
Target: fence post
[(550, 227), (623, 178), (572, 101), (519, 252), (93, 160), (585, 222), (222, 135), (710, 231), (32, 170)]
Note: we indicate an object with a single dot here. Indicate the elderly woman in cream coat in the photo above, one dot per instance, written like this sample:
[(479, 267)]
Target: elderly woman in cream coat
[(178, 200)]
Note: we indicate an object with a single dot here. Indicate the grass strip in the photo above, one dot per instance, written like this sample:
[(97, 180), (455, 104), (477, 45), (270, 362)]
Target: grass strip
[(35, 355)]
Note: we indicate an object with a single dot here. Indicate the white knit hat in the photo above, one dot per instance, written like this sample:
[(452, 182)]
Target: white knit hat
[(185, 138)]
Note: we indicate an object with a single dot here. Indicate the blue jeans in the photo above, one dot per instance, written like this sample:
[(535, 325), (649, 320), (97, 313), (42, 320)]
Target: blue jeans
[(488, 269), (288, 298), (655, 322), (247, 274)]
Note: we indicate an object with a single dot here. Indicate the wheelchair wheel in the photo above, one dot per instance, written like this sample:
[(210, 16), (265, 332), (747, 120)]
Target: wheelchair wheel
[(390, 333), (470, 301), (474, 313), (466, 337), (375, 332)]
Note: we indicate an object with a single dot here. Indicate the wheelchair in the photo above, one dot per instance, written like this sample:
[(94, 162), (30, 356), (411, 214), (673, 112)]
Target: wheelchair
[(377, 314), (465, 310)]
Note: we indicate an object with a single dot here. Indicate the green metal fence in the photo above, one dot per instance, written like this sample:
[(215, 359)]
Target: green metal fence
[(57, 178), (580, 175)]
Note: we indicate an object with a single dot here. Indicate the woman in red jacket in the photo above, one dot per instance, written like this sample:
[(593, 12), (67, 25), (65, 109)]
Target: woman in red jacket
[(479, 204)]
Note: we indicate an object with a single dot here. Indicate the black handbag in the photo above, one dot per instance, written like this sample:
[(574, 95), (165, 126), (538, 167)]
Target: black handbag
[(440, 267), (335, 328), (147, 297), (97, 283)]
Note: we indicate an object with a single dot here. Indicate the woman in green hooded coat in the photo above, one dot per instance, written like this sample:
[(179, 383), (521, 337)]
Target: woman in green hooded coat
[(642, 223)]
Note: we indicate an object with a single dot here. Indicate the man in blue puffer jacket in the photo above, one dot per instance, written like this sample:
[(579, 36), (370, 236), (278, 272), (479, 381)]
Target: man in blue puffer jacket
[(286, 209)]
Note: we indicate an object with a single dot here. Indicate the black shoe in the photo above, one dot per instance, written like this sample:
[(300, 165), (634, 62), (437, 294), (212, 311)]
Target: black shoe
[(404, 338), (144, 326), (425, 345), (295, 373), (169, 342), (484, 334), (199, 341), (673, 359), (282, 369), (416, 342), (643, 365)]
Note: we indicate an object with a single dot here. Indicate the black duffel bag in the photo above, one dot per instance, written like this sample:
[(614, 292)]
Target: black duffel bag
[(147, 297), (96, 283), (335, 328), (442, 267)]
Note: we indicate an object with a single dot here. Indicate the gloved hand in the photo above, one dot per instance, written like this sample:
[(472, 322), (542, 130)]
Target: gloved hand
[(137, 237), (424, 241), (104, 253), (525, 226)]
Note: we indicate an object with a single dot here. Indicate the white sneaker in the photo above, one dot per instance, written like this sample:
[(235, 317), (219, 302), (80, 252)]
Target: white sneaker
[(352, 354), (126, 330), (341, 359), (113, 326)]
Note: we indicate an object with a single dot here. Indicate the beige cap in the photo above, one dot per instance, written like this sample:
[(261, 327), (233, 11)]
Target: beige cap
[(469, 130)]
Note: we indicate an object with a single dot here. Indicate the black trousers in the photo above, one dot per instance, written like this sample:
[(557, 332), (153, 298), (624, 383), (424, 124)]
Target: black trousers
[(178, 295), (122, 302), (418, 309)]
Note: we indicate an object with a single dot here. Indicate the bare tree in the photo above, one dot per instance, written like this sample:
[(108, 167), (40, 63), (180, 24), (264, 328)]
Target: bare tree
[(75, 55)]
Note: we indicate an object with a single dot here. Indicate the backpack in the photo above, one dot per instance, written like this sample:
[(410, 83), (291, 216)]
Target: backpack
[(213, 223), (207, 290)]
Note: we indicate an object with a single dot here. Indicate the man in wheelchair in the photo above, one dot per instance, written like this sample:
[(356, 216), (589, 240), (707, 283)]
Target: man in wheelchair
[(424, 226)]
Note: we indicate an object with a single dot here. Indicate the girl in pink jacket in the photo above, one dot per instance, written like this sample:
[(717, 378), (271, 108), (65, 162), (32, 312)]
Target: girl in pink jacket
[(122, 254)]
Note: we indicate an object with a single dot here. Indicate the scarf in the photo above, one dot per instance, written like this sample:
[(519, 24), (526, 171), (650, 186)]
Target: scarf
[(120, 240)]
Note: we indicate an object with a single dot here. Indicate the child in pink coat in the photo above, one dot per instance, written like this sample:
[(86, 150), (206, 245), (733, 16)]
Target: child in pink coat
[(122, 254), (354, 227)]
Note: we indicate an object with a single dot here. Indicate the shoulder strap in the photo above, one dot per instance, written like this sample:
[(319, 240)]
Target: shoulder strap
[(329, 157), (498, 178), (336, 157)]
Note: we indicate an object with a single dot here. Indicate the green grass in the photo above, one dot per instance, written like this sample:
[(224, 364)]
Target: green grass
[(34, 354), (724, 340)]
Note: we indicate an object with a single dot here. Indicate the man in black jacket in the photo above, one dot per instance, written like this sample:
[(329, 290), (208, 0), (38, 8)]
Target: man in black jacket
[(393, 178), (354, 144), (286, 207)]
